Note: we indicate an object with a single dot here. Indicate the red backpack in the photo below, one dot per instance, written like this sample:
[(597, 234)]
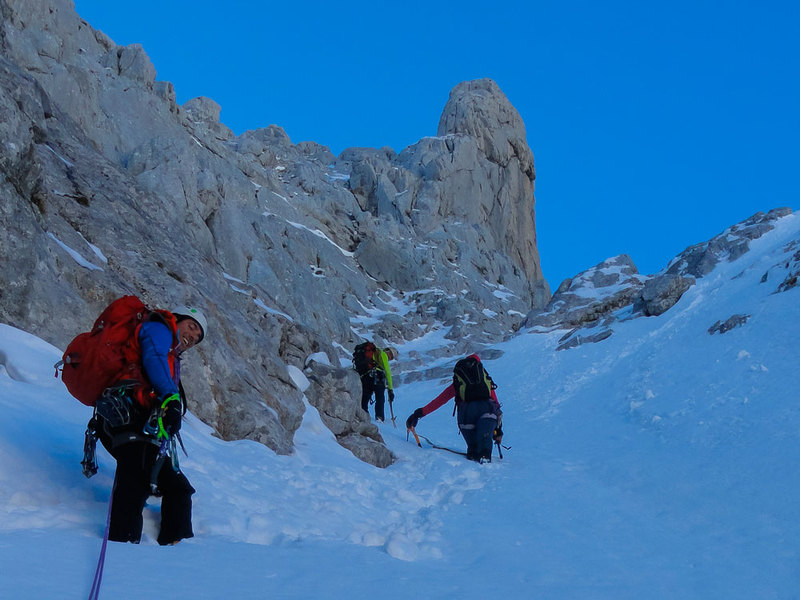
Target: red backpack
[(364, 357), (98, 358)]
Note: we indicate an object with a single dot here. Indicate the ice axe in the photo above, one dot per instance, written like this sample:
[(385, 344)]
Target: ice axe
[(416, 437), (497, 436)]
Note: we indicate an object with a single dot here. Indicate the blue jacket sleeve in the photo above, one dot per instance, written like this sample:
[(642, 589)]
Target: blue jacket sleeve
[(155, 340)]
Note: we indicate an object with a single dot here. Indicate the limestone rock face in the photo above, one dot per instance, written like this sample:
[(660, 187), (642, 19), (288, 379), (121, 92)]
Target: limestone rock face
[(455, 208), (479, 112), (110, 187)]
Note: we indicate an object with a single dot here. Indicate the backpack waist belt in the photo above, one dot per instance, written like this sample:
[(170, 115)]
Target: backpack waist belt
[(128, 437)]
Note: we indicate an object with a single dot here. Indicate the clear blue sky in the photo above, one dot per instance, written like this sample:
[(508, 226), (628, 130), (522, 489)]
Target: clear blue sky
[(654, 126)]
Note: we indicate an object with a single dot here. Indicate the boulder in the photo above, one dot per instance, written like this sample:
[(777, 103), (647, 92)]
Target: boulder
[(661, 293), (336, 394)]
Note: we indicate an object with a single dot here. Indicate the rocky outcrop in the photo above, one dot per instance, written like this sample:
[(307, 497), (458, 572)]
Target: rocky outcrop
[(792, 269), (578, 337), (351, 425), (583, 303), (590, 303), (110, 187), (698, 260), (590, 295), (731, 322), (663, 291)]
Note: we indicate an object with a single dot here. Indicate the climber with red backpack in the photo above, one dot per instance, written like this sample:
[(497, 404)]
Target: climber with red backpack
[(372, 365), (128, 368), (480, 419)]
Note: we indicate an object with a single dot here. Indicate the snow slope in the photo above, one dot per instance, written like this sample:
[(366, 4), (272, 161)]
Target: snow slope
[(659, 463)]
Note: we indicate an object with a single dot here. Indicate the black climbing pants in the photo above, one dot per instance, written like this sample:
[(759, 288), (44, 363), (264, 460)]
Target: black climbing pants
[(135, 462), (374, 382)]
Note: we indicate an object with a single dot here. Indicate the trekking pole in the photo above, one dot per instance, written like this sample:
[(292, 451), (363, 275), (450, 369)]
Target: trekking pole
[(94, 593)]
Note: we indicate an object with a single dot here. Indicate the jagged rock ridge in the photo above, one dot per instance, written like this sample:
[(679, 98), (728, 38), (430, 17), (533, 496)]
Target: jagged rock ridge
[(588, 304)]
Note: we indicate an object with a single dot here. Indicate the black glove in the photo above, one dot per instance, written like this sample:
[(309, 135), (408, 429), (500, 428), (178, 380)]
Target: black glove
[(169, 420), (497, 436), (414, 418), (391, 395)]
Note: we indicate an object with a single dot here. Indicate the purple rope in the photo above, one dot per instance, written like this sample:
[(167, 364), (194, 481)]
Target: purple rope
[(94, 594)]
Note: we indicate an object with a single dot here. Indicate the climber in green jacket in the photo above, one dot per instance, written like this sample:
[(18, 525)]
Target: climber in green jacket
[(372, 364)]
